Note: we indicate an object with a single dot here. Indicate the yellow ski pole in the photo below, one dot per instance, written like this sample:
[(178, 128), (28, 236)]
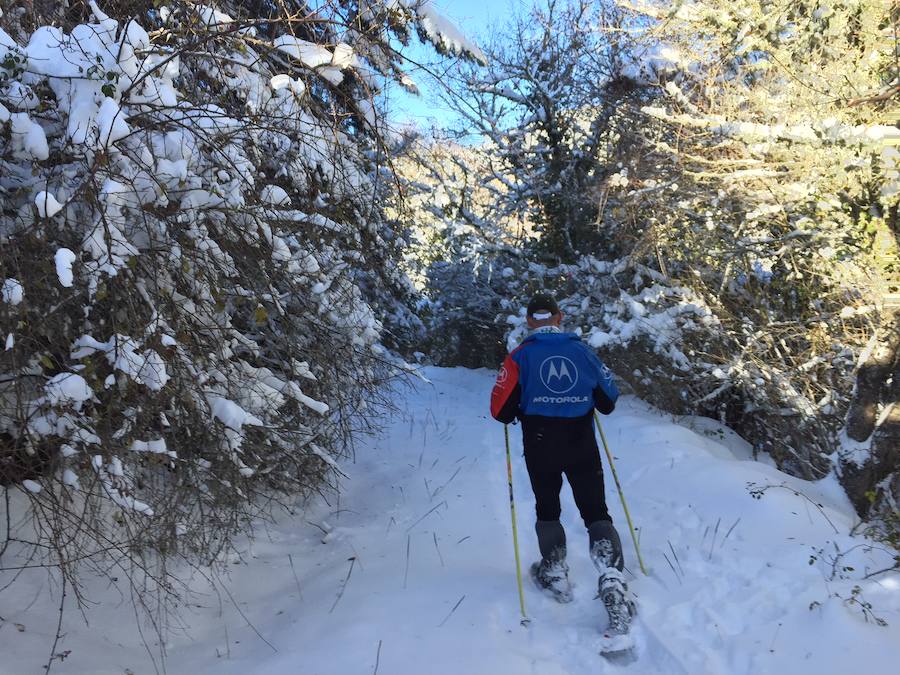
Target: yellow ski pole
[(621, 493), (512, 510)]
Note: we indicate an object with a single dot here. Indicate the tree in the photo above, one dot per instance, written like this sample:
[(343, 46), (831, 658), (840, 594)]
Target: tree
[(199, 282), (548, 103)]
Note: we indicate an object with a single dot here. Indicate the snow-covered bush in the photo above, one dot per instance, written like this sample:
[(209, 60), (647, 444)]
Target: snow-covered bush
[(198, 274), (461, 257), (771, 189)]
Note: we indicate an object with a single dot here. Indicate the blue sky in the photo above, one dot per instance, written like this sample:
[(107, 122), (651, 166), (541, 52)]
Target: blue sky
[(475, 18)]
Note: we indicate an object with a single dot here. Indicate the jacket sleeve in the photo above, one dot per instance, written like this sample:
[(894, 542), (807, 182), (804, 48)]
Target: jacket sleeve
[(507, 392), (606, 392)]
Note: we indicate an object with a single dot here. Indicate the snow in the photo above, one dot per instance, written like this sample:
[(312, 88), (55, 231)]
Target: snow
[(21, 96), (647, 65), (156, 446), (111, 123), (231, 414), (111, 476), (819, 132), (12, 291), (213, 17), (47, 205), (71, 479), (311, 54), (147, 367), (283, 81), (443, 33), (319, 406), (274, 196), (64, 259), (67, 387), (5, 40), (29, 141), (332, 589), (343, 56), (31, 486)]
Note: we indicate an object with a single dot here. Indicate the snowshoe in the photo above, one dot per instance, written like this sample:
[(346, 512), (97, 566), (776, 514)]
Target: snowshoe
[(553, 579), (616, 638)]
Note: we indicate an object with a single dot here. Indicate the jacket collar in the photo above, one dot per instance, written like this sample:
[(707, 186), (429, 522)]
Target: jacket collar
[(550, 335)]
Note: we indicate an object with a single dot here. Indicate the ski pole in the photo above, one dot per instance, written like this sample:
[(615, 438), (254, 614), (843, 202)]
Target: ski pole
[(512, 510), (621, 492)]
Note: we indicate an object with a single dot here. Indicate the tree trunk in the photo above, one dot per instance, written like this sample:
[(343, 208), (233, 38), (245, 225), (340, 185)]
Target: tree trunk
[(871, 380), (875, 414)]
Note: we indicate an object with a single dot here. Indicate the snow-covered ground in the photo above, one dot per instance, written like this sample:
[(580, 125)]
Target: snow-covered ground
[(411, 571)]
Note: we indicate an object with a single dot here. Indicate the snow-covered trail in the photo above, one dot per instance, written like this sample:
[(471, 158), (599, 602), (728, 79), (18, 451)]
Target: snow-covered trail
[(416, 572)]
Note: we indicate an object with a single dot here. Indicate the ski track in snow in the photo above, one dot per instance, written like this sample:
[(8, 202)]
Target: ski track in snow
[(411, 570)]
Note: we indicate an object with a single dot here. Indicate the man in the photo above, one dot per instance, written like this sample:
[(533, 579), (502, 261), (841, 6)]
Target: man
[(553, 382)]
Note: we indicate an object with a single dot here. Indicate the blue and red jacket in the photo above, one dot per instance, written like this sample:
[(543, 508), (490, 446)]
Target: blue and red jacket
[(552, 375)]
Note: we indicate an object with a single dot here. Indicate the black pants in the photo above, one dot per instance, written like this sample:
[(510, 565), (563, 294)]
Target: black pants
[(556, 446)]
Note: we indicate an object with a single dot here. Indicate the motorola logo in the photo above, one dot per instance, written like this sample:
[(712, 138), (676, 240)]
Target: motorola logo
[(559, 374)]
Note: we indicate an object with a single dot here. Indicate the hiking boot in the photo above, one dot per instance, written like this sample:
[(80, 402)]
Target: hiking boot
[(552, 577), (605, 547), (619, 606)]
